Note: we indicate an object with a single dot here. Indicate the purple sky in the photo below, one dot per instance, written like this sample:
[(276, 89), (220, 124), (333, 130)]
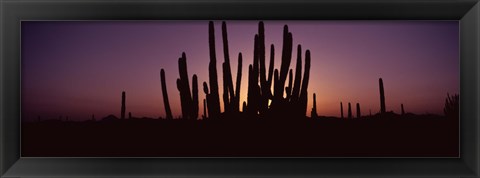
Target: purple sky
[(80, 68)]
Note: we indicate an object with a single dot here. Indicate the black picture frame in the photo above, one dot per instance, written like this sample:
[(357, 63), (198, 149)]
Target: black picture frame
[(14, 11)]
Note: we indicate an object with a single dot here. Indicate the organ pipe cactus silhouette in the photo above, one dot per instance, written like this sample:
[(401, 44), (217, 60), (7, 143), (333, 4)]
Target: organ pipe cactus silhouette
[(166, 103), (349, 111), (382, 96), (359, 114), (290, 100), (296, 95), (122, 114), (189, 101)]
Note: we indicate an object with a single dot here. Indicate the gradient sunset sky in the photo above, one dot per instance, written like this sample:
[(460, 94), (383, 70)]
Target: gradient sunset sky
[(80, 68)]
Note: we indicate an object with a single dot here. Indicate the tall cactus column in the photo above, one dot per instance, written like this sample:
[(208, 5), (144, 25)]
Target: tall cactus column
[(236, 104), (183, 87), (382, 96), (303, 90), (122, 114), (228, 93), (166, 103), (213, 100)]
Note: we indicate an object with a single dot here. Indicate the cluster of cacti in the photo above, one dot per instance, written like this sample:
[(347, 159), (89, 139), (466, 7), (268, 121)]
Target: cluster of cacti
[(294, 103), (189, 101), (350, 113), (122, 112), (259, 82)]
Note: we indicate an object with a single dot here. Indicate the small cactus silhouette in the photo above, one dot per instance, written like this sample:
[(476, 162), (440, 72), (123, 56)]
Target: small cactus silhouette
[(403, 111), (349, 111), (341, 110), (382, 96), (359, 114), (314, 109), (122, 114)]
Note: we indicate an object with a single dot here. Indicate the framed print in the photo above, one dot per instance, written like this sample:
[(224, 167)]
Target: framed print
[(304, 88)]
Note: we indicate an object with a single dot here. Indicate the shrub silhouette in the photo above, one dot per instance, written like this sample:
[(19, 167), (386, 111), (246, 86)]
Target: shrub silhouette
[(452, 104)]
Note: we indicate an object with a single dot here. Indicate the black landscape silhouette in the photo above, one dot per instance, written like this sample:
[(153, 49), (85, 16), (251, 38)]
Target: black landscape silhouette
[(271, 123)]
